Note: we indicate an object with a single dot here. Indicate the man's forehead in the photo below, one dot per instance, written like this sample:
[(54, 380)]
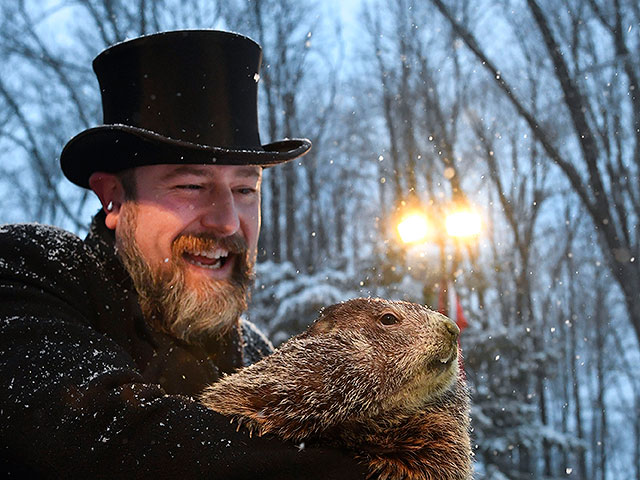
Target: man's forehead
[(167, 171)]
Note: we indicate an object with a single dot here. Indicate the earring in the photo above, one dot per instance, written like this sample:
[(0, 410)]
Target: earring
[(110, 206)]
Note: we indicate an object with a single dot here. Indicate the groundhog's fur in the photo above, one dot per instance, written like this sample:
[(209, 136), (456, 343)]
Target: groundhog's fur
[(392, 392)]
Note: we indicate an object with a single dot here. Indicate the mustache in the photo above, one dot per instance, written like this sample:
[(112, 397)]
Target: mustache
[(190, 242)]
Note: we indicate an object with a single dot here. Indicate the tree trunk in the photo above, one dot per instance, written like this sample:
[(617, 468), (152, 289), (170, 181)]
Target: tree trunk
[(600, 406)]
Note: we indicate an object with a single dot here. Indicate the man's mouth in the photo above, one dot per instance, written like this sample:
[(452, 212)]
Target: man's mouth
[(213, 259)]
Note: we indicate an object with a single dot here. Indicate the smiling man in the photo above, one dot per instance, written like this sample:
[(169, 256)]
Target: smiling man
[(105, 342), (188, 237)]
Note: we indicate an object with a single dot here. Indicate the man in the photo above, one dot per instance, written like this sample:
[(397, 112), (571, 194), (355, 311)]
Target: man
[(106, 342)]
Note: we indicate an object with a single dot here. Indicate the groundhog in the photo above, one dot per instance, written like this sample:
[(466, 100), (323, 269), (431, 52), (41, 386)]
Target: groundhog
[(379, 377)]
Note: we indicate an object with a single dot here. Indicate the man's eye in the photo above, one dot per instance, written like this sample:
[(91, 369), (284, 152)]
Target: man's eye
[(189, 187), (246, 191)]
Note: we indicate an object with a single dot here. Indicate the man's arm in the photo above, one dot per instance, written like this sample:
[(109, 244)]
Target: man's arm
[(74, 404)]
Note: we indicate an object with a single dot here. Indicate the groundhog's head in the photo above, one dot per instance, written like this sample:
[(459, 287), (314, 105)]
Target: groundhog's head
[(407, 353)]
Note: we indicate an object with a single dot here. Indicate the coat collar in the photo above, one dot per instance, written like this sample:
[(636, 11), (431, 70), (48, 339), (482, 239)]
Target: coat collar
[(102, 241)]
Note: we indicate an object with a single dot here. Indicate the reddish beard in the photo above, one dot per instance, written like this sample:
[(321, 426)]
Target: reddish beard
[(193, 313)]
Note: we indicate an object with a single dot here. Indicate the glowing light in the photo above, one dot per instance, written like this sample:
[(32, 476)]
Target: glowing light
[(413, 228), (463, 223)]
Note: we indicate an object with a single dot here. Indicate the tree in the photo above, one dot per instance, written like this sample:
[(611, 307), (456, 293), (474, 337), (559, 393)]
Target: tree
[(50, 93), (600, 105)]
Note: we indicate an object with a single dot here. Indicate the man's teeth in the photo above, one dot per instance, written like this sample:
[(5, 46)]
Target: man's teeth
[(213, 254), (219, 255)]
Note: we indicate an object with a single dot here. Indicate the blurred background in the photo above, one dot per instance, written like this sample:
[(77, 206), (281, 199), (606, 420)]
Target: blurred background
[(480, 157)]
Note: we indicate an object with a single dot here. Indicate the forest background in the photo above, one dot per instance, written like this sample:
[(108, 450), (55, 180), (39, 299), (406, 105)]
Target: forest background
[(528, 110)]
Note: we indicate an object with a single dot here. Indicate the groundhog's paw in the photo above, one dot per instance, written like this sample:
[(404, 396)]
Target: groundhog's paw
[(249, 425)]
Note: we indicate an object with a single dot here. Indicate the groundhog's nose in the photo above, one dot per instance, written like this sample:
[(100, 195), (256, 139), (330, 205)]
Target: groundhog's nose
[(451, 327)]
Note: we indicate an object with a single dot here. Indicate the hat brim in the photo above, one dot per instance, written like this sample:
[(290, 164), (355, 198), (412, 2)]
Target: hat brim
[(113, 148)]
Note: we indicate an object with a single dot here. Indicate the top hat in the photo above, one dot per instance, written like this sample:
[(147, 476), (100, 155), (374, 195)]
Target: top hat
[(178, 97)]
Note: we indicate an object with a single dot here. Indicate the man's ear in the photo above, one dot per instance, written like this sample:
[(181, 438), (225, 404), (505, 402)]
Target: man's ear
[(109, 190)]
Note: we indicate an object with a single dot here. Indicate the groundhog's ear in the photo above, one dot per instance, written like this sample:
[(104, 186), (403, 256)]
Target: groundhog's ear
[(329, 311), (326, 321), (320, 326)]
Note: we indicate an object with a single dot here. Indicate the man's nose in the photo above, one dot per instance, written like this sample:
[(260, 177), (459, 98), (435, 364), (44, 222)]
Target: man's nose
[(220, 214)]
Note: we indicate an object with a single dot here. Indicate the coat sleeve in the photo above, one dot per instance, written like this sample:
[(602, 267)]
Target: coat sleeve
[(73, 404)]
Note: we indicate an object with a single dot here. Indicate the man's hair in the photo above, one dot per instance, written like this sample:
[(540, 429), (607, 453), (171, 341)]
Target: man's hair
[(128, 180)]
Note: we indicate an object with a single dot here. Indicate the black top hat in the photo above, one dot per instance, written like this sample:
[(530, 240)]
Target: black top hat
[(186, 96)]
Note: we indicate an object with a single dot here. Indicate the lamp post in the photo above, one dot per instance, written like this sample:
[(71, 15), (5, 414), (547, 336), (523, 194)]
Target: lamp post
[(457, 223)]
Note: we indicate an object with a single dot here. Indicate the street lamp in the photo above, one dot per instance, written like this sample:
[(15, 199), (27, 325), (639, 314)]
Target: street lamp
[(463, 223), (414, 226)]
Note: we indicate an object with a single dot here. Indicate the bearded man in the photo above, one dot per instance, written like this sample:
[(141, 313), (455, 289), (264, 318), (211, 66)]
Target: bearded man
[(105, 341)]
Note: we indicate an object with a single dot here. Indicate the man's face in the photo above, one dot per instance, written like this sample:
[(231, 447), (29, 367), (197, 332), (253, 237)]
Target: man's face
[(189, 241)]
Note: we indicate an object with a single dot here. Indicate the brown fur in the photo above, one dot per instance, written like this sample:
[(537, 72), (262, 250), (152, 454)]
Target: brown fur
[(392, 393)]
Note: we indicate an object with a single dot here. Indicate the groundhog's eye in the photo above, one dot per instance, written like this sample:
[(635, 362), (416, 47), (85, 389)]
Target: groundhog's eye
[(388, 319)]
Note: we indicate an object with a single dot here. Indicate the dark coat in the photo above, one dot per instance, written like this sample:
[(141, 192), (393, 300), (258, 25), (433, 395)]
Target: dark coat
[(88, 390)]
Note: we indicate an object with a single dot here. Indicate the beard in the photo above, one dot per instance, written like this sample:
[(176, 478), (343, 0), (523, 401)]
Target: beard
[(195, 313)]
